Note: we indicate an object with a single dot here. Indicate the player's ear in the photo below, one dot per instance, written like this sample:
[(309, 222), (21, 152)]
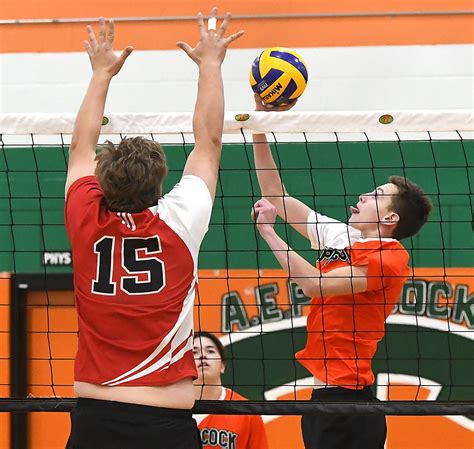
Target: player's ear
[(391, 219), (222, 368)]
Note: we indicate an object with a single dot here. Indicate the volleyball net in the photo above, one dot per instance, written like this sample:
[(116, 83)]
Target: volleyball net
[(422, 366)]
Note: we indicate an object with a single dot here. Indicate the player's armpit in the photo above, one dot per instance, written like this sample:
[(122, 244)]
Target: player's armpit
[(342, 281), (81, 163)]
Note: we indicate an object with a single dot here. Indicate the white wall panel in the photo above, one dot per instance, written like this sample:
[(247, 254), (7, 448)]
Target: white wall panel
[(349, 78)]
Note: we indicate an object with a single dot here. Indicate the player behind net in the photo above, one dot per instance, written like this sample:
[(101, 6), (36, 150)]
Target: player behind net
[(222, 431), (135, 257), (358, 278)]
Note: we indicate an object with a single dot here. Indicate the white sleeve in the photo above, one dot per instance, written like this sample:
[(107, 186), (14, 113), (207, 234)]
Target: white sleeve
[(327, 232), (187, 210)]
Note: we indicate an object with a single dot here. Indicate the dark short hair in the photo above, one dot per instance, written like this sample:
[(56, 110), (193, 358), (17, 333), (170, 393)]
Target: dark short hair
[(412, 205), (215, 340), (131, 174)]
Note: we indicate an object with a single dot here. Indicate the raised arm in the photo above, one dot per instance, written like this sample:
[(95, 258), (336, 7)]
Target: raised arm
[(341, 281), (208, 120), (105, 64), (291, 210)]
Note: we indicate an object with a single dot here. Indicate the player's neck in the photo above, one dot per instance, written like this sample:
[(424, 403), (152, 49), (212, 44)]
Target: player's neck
[(375, 233), (208, 392), (371, 235)]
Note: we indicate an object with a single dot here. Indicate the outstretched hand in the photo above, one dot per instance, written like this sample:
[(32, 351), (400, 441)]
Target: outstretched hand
[(212, 45), (101, 54)]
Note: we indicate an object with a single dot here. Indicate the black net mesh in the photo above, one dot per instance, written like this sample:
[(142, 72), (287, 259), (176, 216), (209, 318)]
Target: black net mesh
[(423, 365)]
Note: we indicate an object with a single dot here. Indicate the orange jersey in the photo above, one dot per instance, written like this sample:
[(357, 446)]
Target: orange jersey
[(343, 331), (232, 431)]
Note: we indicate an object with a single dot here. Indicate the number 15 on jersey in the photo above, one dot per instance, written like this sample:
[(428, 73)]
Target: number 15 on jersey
[(147, 265)]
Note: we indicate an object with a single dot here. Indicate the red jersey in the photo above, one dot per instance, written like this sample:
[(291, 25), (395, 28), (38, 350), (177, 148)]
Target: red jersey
[(135, 278), (344, 330), (232, 431)]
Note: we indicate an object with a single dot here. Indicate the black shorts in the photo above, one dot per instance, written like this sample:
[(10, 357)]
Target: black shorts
[(343, 431), (118, 425)]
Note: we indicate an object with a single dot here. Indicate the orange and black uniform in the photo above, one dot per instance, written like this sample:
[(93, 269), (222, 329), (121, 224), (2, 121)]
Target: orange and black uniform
[(344, 330), (232, 431)]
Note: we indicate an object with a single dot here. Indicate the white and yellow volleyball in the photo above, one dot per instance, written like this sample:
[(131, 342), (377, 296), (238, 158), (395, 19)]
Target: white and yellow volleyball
[(278, 75)]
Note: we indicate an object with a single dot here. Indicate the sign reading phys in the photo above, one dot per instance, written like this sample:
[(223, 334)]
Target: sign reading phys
[(56, 258)]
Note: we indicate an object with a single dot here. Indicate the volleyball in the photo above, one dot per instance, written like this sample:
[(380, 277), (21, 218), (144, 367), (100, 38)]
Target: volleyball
[(278, 75)]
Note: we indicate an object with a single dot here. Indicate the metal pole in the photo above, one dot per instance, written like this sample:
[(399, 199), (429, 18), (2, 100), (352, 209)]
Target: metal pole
[(18, 370)]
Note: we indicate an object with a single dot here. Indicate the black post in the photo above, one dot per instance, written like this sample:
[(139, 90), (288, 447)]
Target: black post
[(18, 364)]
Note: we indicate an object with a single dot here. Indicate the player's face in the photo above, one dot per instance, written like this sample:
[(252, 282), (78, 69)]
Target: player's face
[(374, 208), (208, 362)]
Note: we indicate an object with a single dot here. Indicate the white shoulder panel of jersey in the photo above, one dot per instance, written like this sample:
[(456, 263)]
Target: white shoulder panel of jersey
[(328, 232), (187, 210)]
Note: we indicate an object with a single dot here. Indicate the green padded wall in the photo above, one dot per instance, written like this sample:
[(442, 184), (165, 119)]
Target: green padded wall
[(326, 176)]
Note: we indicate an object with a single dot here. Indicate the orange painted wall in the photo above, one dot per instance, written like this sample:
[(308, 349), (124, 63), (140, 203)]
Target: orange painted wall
[(4, 356), (52, 343), (259, 33)]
